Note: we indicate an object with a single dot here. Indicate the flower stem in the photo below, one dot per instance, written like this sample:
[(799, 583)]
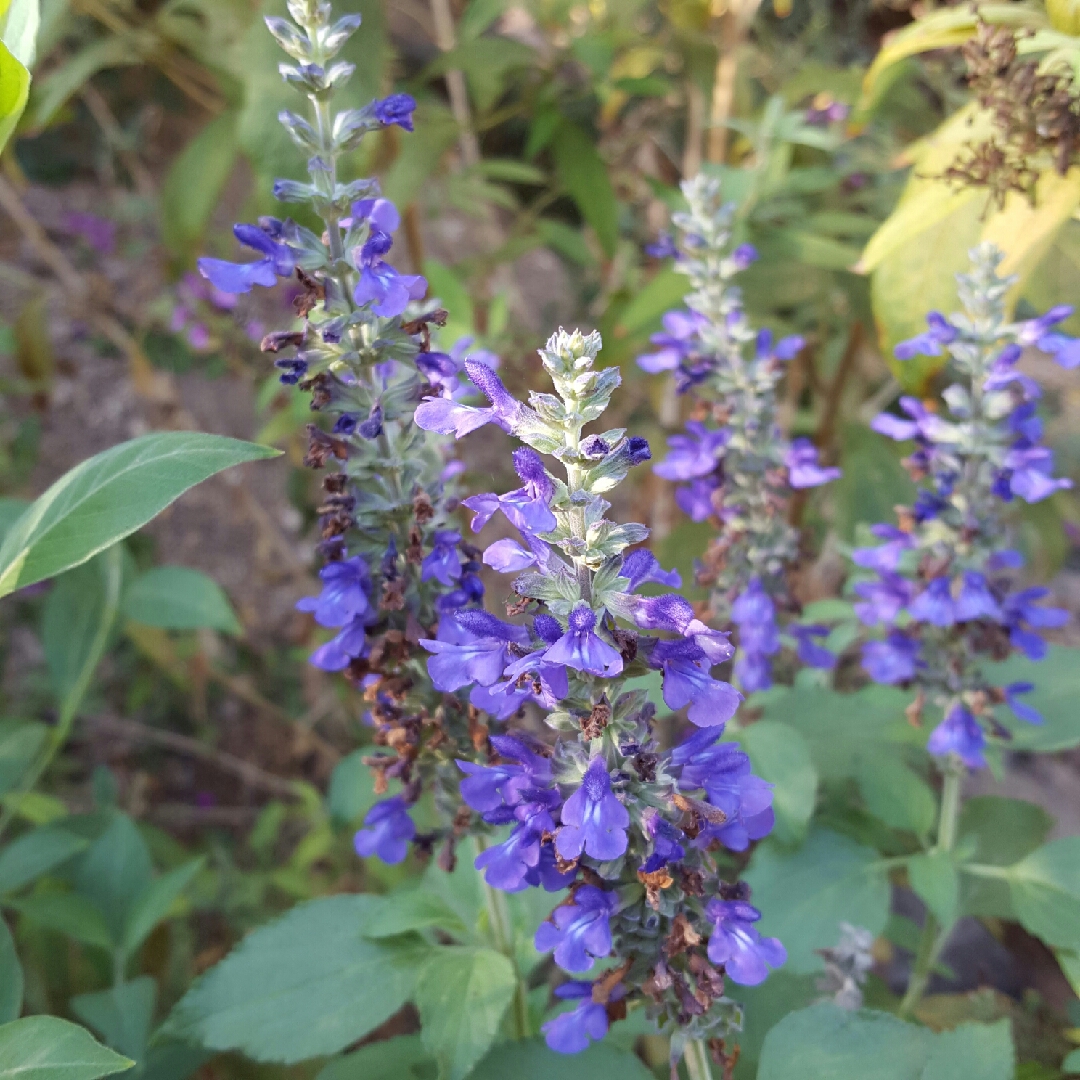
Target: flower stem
[(934, 936), (502, 934), (697, 1060)]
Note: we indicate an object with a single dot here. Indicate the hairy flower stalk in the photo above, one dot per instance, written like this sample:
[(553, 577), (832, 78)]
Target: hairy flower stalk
[(629, 828), (943, 589), (733, 463), (361, 348)]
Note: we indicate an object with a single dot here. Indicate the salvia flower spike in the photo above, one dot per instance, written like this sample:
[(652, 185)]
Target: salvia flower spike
[(941, 585), (629, 828)]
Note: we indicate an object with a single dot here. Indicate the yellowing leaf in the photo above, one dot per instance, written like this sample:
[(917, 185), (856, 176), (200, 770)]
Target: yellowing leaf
[(14, 90)]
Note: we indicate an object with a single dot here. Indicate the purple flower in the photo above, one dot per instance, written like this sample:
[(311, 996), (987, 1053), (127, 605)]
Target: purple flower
[(472, 646), (696, 498), (754, 613), (1029, 474), (387, 831), (679, 340), (1019, 609), (810, 652), (447, 417), (667, 840), (546, 874), (348, 644), (929, 343), (380, 214), (923, 423), (525, 507), (488, 787), (960, 734), (975, 600), (1021, 709), (277, 260), (395, 109), (804, 471), (582, 648), (662, 248), (593, 818), (570, 1032), (893, 660), (736, 943), (753, 672), (98, 232), (934, 604), (1065, 350), (641, 567), (344, 593), (380, 284), (444, 563), (744, 255), (883, 599), (694, 454), (508, 557), (687, 682), (579, 932), (507, 866), (885, 557)]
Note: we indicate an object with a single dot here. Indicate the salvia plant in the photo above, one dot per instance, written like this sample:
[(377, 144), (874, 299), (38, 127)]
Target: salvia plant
[(631, 828), (395, 563), (944, 590), (733, 463)]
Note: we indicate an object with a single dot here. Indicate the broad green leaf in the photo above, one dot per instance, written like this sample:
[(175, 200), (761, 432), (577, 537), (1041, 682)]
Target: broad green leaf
[(69, 914), (896, 794), (940, 30), (122, 1015), (1057, 690), (402, 1058), (168, 1059), (78, 618), (412, 908), (11, 977), (830, 1043), (1071, 1064), (193, 186), (10, 512), (934, 878), (178, 598), (582, 172), (530, 1059), (47, 1048), (1045, 890), (806, 894), (304, 986), (14, 92), (109, 496), (780, 754), (566, 241), (20, 745), (764, 1006), (114, 871), (36, 853), (154, 903), (462, 994)]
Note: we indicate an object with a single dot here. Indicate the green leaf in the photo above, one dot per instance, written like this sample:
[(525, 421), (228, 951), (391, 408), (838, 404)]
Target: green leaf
[(46, 1048), (663, 291), (1045, 891), (36, 853), (1071, 1064), (530, 1059), (566, 241), (10, 512), (69, 914), (114, 871), (413, 908), (896, 794), (780, 754), (352, 788), (14, 92), (402, 1058), (304, 986), (178, 598), (934, 877), (52, 93), (998, 832), (462, 994), (873, 481), (154, 903), (193, 186), (122, 1015), (1057, 690), (19, 22), (830, 1043), (582, 172), (109, 496), (807, 894), (11, 977), (76, 623), (20, 745), (18, 30)]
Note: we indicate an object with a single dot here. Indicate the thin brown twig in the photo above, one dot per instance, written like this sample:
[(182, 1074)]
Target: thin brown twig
[(114, 135), (456, 88), (246, 771)]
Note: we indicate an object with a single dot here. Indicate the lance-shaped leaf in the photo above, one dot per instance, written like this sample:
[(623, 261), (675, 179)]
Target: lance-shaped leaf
[(46, 1048)]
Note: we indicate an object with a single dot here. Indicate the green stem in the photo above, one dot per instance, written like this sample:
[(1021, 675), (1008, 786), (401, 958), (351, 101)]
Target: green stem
[(934, 936), (502, 934), (697, 1060)]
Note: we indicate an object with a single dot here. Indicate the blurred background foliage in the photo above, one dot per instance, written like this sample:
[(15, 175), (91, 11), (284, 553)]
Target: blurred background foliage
[(213, 780)]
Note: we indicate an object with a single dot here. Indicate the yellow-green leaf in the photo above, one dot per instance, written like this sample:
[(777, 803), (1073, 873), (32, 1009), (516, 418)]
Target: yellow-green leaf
[(14, 90)]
